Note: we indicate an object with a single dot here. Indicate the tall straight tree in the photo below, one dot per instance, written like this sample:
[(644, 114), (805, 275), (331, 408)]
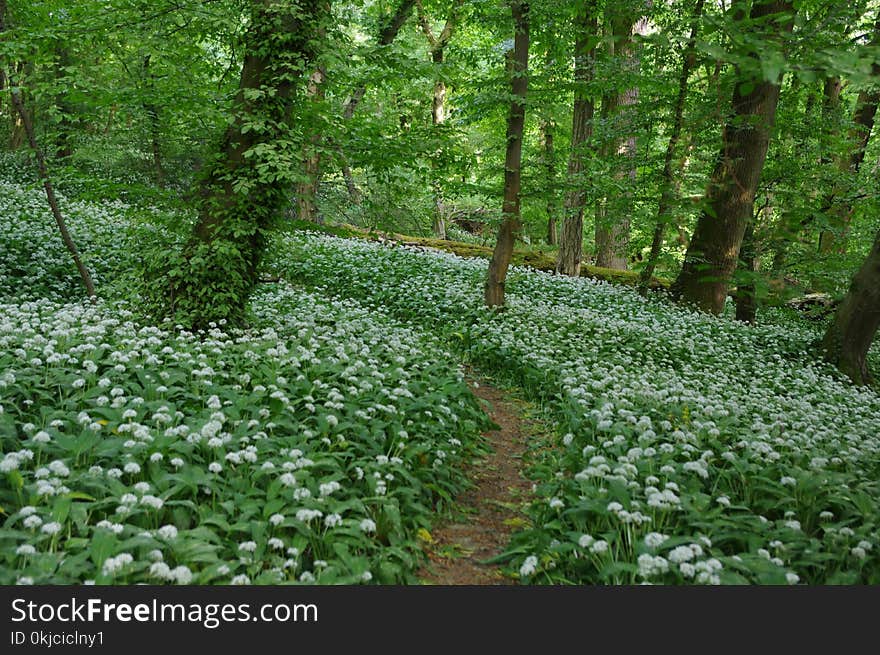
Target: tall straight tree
[(548, 161), (713, 252), (246, 184), (840, 210), (618, 109), (571, 248), (511, 224), (668, 187), (437, 47)]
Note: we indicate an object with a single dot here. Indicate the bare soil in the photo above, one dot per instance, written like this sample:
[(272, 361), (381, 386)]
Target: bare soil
[(492, 509)]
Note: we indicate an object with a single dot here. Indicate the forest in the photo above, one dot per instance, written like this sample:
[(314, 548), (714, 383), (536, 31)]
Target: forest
[(537, 292)]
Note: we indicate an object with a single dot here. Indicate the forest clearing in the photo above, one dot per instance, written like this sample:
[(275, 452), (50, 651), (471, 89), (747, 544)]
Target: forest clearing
[(439, 292)]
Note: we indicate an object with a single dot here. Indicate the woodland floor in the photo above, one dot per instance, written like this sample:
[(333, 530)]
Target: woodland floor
[(492, 509)]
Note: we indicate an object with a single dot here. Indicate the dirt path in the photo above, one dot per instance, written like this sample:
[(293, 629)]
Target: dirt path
[(491, 510)]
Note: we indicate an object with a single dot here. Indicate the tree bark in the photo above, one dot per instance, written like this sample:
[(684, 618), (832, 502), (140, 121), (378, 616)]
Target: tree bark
[(669, 187), (28, 128), (849, 337), (570, 255), (749, 264), (518, 65), (714, 248)]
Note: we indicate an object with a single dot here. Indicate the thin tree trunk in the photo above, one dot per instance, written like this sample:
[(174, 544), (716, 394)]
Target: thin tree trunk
[(613, 214), (518, 65), (438, 116), (840, 212), (63, 146), (746, 296), (849, 337), (668, 185), (152, 111), (17, 134), (548, 128), (749, 265), (570, 255), (387, 35), (714, 248), (28, 128)]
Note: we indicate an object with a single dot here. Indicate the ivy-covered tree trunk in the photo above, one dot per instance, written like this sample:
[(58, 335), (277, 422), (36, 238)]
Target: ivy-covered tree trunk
[(246, 185), (518, 66), (849, 337), (571, 241), (713, 252)]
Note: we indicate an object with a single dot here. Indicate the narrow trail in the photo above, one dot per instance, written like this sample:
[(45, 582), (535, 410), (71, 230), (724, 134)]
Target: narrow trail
[(491, 510)]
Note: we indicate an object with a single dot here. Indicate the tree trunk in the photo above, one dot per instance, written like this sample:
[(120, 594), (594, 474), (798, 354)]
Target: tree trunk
[(849, 337), (669, 187), (387, 35), (152, 111), (17, 134), (570, 255), (840, 212), (437, 47), (307, 191), (548, 155), (746, 290), (714, 248), (238, 199), (28, 128), (518, 65), (613, 214), (438, 116), (63, 146)]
